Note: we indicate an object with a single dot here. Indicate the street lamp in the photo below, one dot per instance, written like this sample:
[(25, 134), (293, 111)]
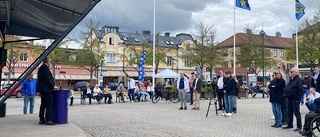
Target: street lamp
[(101, 76), (262, 34), (13, 62)]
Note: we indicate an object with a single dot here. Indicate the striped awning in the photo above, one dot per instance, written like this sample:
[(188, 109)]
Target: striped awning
[(113, 74)]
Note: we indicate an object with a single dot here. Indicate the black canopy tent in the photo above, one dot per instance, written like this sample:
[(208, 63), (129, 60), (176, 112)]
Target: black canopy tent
[(42, 19)]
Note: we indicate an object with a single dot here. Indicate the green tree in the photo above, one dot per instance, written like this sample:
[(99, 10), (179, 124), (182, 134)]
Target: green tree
[(249, 54), (89, 57), (309, 43)]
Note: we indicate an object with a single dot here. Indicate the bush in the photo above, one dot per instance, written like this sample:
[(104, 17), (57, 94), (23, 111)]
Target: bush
[(207, 89)]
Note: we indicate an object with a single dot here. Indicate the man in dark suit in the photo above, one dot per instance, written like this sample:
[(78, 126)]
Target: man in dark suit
[(316, 79), (197, 84), (46, 87)]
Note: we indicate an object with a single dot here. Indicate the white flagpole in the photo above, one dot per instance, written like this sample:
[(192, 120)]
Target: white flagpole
[(297, 50), (234, 38), (153, 41)]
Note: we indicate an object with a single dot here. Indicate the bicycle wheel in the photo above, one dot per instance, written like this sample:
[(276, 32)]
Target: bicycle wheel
[(155, 99), (174, 97)]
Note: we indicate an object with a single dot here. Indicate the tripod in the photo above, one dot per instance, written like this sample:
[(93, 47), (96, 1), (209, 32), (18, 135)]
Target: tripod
[(213, 97)]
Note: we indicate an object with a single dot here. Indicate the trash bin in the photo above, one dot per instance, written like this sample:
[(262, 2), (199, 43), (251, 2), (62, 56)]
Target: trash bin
[(60, 106), (3, 110)]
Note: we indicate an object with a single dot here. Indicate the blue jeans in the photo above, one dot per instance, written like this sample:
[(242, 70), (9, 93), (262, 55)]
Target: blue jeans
[(131, 94), (228, 99), (144, 96), (276, 108), (307, 92), (28, 99), (311, 106)]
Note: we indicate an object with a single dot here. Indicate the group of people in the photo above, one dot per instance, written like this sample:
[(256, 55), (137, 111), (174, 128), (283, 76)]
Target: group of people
[(287, 93), (227, 89), (97, 94)]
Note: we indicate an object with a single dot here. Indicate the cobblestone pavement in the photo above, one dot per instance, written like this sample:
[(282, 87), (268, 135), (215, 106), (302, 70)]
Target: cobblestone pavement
[(163, 119)]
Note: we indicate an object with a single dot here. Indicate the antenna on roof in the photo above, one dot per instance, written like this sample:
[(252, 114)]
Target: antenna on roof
[(124, 22)]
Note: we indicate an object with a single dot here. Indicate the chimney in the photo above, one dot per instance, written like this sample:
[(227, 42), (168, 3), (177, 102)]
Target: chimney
[(249, 31), (278, 34), (167, 34), (146, 32)]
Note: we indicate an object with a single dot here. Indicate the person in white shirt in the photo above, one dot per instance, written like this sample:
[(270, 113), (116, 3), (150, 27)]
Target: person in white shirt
[(313, 95), (150, 89), (131, 87), (96, 93), (183, 88), (220, 84), (87, 91)]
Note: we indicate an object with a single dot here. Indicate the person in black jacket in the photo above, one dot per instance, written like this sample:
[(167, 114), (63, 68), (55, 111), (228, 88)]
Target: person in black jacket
[(46, 86), (308, 118), (229, 91), (306, 86), (316, 79), (294, 92), (276, 87)]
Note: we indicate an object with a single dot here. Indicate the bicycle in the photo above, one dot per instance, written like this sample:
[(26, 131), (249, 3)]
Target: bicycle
[(171, 96)]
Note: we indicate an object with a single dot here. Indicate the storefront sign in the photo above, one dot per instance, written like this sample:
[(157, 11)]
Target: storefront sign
[(19, 65)]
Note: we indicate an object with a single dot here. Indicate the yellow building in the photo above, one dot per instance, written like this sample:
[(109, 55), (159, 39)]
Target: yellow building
[(120, 47), (276, 45)]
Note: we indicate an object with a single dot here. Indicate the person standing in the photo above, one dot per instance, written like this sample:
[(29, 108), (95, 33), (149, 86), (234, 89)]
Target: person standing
[(316, 79), (284, 103), (229, 91), (197, 84), (294, 92), (306, 86), (71, 97), (183, 88), (191, 87), (131, 87), (276, 87), (150, 90), (221, 83), (236, 91), (28, 88), (46, 87)]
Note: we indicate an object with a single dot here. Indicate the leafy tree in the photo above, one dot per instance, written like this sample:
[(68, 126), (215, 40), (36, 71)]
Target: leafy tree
[(309, 43), (250, 54), (89, 57)]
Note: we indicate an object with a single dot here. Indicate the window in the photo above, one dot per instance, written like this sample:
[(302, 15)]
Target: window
[(225, 53), (231, 61), (290, 66), (111, 40), (281, 54), (187, 62), (169, 61), (188, 48), (111, 57), (275, 66), (72, 57), (133, 57), (224, 64), (23, 56), (275, 53)]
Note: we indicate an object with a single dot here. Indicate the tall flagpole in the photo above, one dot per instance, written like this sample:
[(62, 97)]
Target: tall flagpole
[(297, 50), (234, 38), (153, 41)]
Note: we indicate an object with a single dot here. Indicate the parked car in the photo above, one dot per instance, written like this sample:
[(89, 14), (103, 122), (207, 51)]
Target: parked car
[(79, 86), (113, 86), (16, 93)]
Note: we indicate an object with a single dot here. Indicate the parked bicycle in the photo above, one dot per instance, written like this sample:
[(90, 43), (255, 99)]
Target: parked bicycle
[(171, 96)]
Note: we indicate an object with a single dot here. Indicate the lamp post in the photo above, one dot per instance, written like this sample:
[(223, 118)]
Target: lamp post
[(101, 76), (262, 34), (13, 62)]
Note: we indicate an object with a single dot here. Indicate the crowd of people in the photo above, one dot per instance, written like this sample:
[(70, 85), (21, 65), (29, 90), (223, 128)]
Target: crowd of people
[(287, 93)]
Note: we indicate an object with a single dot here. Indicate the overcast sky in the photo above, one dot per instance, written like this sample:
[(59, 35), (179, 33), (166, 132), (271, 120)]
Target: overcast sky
[(180, 16)]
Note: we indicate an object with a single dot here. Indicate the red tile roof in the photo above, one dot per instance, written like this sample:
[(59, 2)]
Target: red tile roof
[(269, 41)]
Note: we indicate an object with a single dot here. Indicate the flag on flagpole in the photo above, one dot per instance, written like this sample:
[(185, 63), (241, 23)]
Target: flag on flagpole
[(244, 4), (141, 67), (299, 10)]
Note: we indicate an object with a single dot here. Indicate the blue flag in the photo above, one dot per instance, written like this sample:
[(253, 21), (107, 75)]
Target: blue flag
[(244, 4), (299, 10), (141, 67), (197, 69)]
